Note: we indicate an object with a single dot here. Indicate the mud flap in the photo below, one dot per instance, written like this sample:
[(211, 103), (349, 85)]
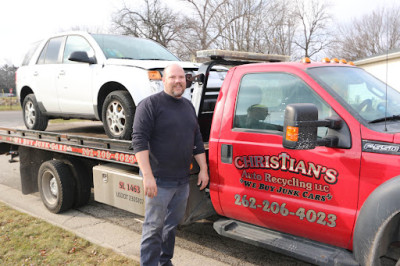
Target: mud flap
[(199, 204), (4, 148), (30, 162)]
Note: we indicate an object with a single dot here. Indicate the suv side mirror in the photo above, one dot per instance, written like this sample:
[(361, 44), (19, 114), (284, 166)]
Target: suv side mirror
[(82, 57), (301, 127)]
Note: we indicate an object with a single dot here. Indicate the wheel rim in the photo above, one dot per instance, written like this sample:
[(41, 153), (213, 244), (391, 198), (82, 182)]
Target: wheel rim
[(30, 114), (49, 188), (116, 118)]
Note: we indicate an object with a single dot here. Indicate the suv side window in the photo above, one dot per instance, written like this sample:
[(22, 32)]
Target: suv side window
[(51, 51), (76, 43), (262, 99), (29, 54)]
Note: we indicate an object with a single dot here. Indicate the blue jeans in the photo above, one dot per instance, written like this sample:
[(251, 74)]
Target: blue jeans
[(162, 216)]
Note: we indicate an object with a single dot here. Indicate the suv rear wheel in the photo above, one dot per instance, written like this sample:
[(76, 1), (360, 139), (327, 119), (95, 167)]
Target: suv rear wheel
[(117, 114), (33, 117)]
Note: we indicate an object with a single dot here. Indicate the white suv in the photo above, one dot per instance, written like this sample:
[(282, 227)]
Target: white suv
[(93, 76)]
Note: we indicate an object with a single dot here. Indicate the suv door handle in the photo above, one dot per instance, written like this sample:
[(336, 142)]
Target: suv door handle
[(35, 73), (226, 153), (62, 73)]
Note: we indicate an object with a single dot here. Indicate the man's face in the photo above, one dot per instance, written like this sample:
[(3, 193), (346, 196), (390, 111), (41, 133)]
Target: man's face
[(174, 81)]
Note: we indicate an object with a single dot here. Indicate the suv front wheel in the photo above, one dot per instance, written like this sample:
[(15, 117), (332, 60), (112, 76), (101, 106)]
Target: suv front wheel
[(117, 114), (33, 117)]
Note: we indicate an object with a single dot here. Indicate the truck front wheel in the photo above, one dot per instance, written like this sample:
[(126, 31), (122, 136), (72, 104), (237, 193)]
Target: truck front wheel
[(388, 243), (33, 117), (117, 113), (376, 239), (56, 188)]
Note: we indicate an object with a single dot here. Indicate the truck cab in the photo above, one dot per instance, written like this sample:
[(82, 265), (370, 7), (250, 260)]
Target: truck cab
[(309, 150)]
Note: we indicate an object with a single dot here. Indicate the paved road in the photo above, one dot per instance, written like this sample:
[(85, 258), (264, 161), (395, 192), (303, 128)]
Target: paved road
[(11, 119), (198, 239)]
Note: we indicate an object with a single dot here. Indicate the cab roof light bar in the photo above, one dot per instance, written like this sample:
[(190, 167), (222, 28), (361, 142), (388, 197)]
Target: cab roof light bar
[(216, 54)]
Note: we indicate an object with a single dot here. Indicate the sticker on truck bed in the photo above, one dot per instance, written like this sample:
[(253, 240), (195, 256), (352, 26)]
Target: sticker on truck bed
[(316, 187), (75, 149)]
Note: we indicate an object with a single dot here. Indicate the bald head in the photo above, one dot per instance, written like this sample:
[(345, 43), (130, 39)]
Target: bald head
[(174, 80)]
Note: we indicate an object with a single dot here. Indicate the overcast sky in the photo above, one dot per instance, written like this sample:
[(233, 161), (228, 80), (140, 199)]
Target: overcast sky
[(23, 22)]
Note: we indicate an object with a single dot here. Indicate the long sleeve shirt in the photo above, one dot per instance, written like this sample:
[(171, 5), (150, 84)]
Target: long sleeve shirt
[(168, 128)]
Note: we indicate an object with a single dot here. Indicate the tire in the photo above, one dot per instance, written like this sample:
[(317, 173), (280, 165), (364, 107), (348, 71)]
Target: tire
[(376, 237), (389, 243), (56, 188), (33, 117), (82, 184), (117, 114)]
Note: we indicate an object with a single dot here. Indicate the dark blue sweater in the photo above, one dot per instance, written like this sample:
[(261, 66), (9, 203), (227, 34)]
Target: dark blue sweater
[(168, 128)]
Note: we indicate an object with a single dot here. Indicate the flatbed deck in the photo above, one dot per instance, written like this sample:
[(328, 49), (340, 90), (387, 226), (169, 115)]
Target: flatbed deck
[(83, 139)]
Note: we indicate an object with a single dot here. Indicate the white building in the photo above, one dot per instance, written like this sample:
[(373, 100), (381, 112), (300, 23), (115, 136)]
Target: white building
[(385, 67)]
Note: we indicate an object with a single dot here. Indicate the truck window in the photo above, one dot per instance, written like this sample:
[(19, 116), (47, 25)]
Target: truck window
[(76, 43), (361, 93), (263, 97)]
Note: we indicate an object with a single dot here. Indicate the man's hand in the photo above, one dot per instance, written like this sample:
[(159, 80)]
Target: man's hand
[(150, 186), (149, 183), (203, 178)]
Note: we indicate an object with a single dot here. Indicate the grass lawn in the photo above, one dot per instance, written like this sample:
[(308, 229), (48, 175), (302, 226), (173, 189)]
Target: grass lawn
[(9, 104), (26, 240)]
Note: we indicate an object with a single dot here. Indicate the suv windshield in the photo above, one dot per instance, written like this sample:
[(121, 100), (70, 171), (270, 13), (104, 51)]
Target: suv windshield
[(364, 94), (127, 47)]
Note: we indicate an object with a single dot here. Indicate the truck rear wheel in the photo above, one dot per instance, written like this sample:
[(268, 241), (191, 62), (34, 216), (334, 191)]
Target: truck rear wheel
[(55, 182), (33, 117), (117, 114)]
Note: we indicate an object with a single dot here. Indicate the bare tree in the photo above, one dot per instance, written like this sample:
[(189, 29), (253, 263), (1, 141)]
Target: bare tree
[(369, 35), (279, 26), (313, 32), (152, 20), (241, 23), (207, 23), (265, 26)]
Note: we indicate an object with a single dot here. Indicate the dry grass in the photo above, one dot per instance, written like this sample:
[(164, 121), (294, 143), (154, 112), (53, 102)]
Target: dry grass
[(9, 104), (26, 240)]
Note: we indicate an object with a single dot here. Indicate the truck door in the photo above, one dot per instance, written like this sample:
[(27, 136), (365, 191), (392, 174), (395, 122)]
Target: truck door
[(309, 193)]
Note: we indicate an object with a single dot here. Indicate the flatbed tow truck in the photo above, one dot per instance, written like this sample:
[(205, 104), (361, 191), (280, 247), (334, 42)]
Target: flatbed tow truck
[(107, 165), (301, 160)]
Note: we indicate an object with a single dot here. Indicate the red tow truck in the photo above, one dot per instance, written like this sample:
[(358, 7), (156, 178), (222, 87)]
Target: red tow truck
[(304, 159)]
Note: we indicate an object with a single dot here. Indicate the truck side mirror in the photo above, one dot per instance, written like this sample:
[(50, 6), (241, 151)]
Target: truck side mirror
[(301, 126), (297, 134), (82, 57)]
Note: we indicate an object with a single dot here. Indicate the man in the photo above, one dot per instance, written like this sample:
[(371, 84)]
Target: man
[(165, 137)]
